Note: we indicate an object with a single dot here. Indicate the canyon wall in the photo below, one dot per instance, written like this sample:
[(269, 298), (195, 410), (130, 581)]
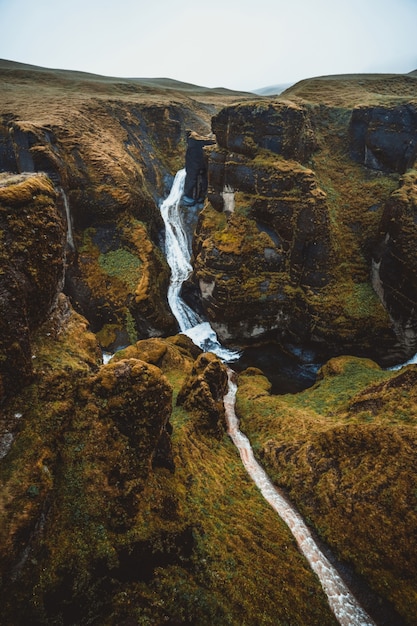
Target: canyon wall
[(318, 252)]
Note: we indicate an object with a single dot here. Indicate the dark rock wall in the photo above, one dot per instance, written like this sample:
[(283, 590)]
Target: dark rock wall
[(277, 265), (113, 161), (384, 138), (396, 259)]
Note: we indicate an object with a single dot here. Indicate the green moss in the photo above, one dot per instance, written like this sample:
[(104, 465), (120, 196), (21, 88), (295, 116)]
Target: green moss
[(362, 301), (131, 327), (123, 265)]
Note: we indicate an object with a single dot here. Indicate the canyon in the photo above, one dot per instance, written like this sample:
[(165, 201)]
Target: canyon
[(122, 498)]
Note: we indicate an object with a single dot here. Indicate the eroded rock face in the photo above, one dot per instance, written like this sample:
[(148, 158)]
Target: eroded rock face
[(111, 184), (203, 392), (384, 138), (195, 184), (276, 239), (395, 262), (288, 256), (32, 258), (119, 282), (136, 397), (111, 149), (284, 128)]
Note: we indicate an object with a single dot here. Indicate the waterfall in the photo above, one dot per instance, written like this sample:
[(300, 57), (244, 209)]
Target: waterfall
[(70, 238), (344, 606), (178, 256)]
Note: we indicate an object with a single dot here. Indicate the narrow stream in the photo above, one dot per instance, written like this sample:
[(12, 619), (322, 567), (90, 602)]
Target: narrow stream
[(343, 604), (345, 607)]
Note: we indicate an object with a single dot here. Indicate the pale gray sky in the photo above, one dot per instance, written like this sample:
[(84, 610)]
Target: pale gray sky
[(240, 44)]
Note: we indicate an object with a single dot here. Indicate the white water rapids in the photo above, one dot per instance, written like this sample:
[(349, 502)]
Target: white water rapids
[(343, 604), (178, 256)]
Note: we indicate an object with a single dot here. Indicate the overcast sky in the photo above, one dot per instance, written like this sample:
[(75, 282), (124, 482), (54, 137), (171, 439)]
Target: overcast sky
[(239, 44)]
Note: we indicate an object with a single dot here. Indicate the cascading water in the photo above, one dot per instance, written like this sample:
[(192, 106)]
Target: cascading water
[(343, 604), (178, 256), (70, 238)]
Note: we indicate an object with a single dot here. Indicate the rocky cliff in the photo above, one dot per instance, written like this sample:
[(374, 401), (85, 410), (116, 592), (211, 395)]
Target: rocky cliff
[(110, 148), (310, 220)]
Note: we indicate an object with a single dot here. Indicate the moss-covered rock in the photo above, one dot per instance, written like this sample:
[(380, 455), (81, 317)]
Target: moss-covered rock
[(282, 127), (32, 256), (120, 282), (203, 392), (292, 256)]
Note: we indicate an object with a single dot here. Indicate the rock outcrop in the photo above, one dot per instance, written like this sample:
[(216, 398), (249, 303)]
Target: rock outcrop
[(195, 184), (384, 137), (286, 248), (203, 392), (32, 260), (111, 148)]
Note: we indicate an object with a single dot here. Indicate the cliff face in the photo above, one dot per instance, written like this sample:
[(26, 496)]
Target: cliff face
[(110, 147), (32, 259), (299, 244)]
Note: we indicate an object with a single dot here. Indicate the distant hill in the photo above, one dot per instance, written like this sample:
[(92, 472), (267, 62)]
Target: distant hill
[(153, 83), (272, 90), (349, 89)]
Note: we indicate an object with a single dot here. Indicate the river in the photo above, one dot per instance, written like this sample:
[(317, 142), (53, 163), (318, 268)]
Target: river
[(344, 605)]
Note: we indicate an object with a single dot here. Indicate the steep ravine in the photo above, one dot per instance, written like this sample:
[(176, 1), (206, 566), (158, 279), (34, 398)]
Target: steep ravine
[(345, 607)]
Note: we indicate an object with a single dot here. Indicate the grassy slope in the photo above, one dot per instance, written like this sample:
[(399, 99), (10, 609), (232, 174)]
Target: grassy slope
[(25, 89), (244, 566), (344, 449)]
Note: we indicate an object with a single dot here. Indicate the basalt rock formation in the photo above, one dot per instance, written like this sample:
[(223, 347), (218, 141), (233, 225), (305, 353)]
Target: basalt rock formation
[(300, 245), (195, 184), (395, 259), (384, 137)]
